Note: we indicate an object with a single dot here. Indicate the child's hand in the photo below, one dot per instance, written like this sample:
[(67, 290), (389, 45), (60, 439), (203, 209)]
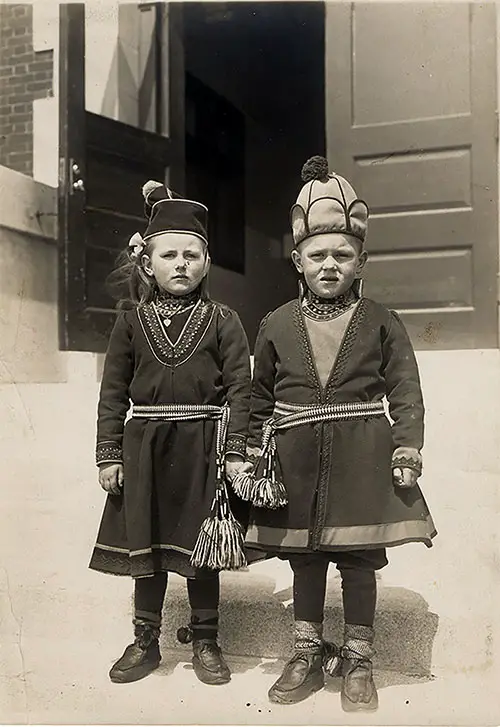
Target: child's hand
[(111, 478), (236, 464), (253, 454), (404, 477)]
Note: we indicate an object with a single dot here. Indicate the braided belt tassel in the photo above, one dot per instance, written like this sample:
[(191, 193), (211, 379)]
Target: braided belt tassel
[(243, 485), (219, 545), (266, 491)]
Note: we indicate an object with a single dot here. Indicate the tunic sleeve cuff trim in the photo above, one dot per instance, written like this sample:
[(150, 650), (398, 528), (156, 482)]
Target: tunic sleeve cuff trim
[(108, 453), (236, 444), (407, 457)]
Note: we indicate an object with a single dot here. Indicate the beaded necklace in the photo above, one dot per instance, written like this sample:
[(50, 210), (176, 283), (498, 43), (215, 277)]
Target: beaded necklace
[(327, 309), (167, 305)]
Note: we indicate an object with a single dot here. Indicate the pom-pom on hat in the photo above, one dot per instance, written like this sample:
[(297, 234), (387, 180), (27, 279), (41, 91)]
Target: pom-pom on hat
[(167, 211), (327, 203)]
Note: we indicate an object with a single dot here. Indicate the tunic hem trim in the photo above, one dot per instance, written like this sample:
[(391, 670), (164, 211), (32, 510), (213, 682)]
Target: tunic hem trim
[(348, 538), (142, 551)]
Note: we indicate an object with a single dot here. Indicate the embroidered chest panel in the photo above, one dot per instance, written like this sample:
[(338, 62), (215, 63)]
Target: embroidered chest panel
[(327, 390), (166, 351)]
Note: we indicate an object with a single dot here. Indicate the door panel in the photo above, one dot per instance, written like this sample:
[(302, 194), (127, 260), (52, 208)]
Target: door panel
[(103, 165), (411, 120)]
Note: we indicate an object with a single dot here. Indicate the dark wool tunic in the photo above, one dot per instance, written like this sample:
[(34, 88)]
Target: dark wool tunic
[(169, 467), (338, 475)]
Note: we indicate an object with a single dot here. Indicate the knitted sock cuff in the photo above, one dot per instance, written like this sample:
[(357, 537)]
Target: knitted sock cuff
[(308, 637), (358, 642)]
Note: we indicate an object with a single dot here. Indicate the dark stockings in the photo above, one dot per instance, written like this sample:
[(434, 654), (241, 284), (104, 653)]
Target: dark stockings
[(203, 598), (359, 590)]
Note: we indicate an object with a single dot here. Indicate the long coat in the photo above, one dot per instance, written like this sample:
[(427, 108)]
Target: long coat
[(169, 467), (338, 475)]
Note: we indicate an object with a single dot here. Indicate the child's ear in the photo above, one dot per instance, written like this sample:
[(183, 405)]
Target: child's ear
[(363, 257), (146, 265), (297, 261), (208, 263)]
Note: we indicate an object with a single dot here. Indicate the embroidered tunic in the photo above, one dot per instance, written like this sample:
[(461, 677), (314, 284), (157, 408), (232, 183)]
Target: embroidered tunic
[(202, 357), (338, 474)]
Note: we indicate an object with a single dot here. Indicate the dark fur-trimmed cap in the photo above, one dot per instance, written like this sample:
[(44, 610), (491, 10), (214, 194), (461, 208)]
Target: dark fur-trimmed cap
[(167, 211), (327, 203)]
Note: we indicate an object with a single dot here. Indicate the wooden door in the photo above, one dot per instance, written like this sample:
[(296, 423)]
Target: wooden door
[(102, 167), (411, 119)]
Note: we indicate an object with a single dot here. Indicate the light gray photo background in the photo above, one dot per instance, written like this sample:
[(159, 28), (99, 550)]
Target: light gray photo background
[(402, 98)]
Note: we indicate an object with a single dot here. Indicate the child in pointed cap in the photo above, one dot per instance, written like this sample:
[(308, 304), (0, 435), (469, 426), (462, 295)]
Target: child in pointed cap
[(334, 481), (183, 362)]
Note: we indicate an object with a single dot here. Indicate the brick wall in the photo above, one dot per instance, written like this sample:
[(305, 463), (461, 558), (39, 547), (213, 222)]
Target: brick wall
[(25, 75)]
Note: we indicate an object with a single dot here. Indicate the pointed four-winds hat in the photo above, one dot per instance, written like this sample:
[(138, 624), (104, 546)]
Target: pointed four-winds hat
[(327, 203)]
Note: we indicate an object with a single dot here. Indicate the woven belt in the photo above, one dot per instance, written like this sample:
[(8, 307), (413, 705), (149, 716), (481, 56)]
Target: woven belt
[(191, 412), (287, 416), (262, 487), (219, 545), (179, 412)]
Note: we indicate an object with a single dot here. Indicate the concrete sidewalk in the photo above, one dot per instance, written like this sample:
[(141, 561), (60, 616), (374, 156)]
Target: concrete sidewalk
[(71, 687), (62, 626)]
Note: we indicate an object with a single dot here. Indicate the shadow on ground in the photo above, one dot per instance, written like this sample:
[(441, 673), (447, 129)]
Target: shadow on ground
[(256, 622)]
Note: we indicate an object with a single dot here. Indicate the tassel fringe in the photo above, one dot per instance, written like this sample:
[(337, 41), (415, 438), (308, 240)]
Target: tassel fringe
[(243, 485), (265, 492), (219, 545), (270, 493)]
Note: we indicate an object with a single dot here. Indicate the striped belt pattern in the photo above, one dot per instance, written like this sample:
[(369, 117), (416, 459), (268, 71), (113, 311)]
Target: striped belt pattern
[(191, 412), (179, 412), (286, 415)]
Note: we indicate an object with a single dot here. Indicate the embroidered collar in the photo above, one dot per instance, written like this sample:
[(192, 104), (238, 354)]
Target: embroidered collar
[(163, 348), (167, 305), (326, 309)]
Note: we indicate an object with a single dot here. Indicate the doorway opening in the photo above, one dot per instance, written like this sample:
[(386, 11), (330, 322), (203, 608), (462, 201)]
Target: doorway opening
[(255, 111)]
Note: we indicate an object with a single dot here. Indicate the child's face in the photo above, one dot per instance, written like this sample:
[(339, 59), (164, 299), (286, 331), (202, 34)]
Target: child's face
[(178, 262), (330, 263)]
